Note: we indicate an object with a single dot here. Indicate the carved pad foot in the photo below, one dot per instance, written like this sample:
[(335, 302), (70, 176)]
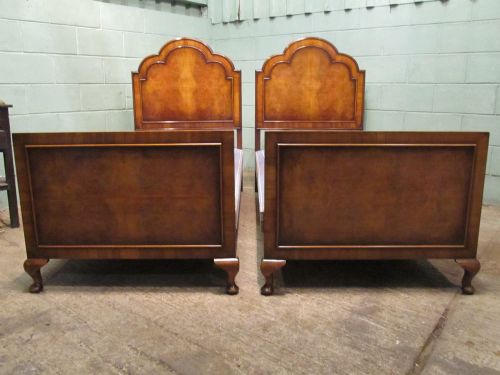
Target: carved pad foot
[(268, 267), (231, 266), (471, 268), (32, 268)]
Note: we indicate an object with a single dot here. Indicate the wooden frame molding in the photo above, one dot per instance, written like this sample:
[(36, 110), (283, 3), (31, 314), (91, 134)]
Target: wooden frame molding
[(187, 86), (377, 195)]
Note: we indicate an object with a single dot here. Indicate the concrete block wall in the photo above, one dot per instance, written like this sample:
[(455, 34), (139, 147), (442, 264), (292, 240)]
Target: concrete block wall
[(430, 66), (66, 65)]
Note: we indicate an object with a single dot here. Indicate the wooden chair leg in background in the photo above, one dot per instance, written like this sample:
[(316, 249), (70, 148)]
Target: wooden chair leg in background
[(231, 266), (268, 267), (471, 268)]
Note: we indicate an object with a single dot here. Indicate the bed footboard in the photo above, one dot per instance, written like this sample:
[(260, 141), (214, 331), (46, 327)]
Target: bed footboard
[(374, 195), (127, 195)]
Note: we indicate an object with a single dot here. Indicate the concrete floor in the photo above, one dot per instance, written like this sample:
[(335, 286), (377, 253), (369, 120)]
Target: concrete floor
[(172, 317)]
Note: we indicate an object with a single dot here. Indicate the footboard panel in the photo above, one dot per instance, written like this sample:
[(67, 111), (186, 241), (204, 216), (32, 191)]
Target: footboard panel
[(373, 195), (127, 195)]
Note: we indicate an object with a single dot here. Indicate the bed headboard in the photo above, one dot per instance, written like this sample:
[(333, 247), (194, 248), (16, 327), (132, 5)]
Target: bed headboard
[(187, 86), (310, 86)]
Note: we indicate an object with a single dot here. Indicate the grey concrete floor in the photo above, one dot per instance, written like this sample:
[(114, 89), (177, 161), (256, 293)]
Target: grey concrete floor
[(172, 317)]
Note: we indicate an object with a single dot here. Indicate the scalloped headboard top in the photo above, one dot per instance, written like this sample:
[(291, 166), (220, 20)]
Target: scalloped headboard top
[(187, 86), (310, 86)]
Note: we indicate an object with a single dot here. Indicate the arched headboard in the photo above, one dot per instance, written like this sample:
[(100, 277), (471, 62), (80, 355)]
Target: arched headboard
[(187, 86), (310, 86)]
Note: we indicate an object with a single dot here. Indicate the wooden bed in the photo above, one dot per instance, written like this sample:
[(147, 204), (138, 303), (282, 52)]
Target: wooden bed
[(330, 194), (169, 190), (373, 195), (310, 86)]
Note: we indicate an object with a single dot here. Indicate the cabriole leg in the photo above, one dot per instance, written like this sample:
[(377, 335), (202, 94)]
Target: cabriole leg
[(471, 268), (231, 266), (32, 268), (268, 267)]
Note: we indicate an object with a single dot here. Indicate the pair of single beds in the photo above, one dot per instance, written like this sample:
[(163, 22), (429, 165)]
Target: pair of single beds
[(326, 189)]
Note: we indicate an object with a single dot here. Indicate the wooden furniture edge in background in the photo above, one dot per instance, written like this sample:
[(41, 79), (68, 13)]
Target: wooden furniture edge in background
[(9, 183)]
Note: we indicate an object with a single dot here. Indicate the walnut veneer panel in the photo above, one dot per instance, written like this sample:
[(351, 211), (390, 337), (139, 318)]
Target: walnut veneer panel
[(310, 85), (187, 86), (373, 195), (126, 195)]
